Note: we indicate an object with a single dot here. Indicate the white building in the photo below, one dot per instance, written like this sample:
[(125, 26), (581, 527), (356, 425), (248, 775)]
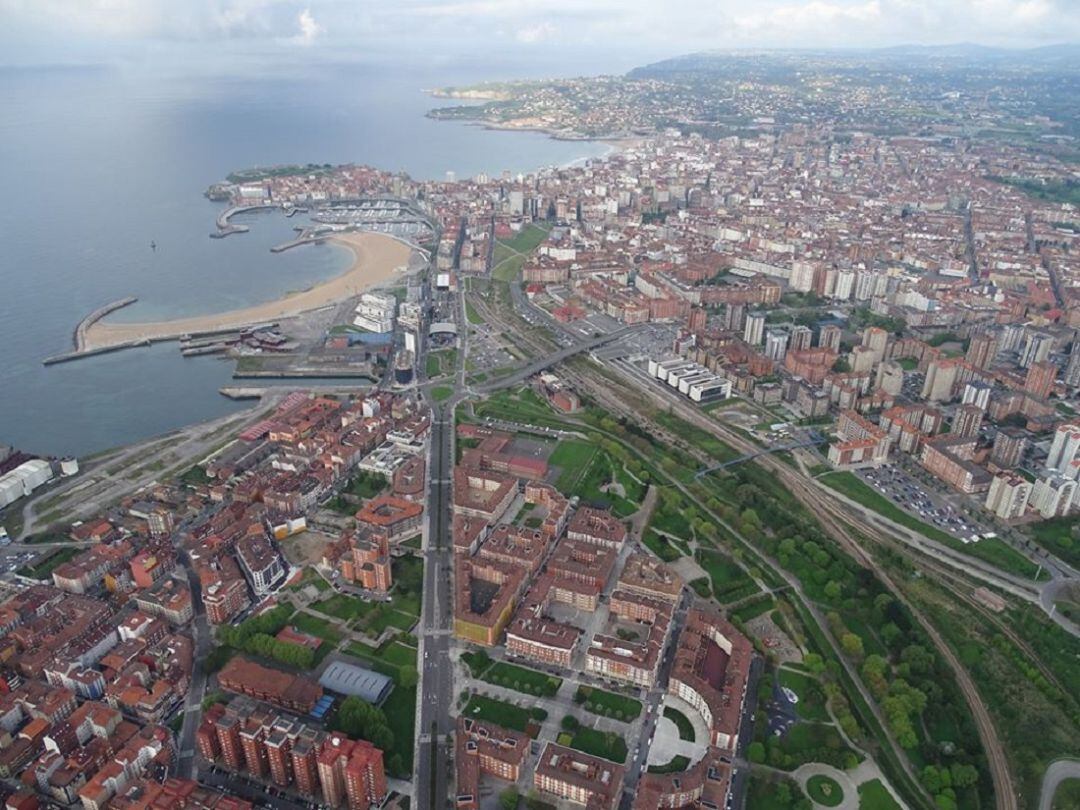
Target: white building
[(1064, 449), (776, 344), (1053, 495), (755, 328), (1008, 496), (23, 480), (376, 312)]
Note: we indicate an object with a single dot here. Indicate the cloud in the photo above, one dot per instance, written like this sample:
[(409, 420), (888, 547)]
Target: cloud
[(535, 33), (629, 27), (310, 30)]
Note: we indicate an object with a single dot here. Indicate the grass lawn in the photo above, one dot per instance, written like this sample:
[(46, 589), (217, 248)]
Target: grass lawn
[(527, 239), (572, 457), (993, 551), (471, 314), (809, 742), (441, 392), (502, 713), (607, 704), (310, 577), (400, 706), (874, 796), (811, 705), (752, 610), (677, 765), (606, 745), (400, 711), (387, 659), (682, 722), (1056, 536), (661, 546), (671, 521), (729, 582), (771, 793), (312, 625), (342, 606), (824, 790), (521, 679)]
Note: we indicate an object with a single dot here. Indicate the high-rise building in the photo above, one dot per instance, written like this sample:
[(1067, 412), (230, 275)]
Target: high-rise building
[(1053, 495), (802, 276), (697, 319), (1040, 379), (1008, 495), (1036, 349), (351, 772), (876, 340), (865, 285), (305, 768), (845, 285), (734, 316), (1012, 337), (801, 338), (940, 379), (1072, 370), (829, 337), (890, 377), (1009, 447), (253, 742), (862, 359), (982, 350), (228, 732), (365, 777), (755, 328), (776, 341), (967, 421), (1065, 448), (977, 393)]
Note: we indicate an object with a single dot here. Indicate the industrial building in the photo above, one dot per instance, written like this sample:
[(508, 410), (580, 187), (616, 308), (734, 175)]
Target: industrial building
[(23, 480), (691, 379)]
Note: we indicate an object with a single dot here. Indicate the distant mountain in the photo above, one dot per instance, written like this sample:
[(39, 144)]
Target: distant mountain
[(778, 63)]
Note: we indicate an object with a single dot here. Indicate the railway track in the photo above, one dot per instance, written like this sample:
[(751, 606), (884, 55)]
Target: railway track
[(825, 509)]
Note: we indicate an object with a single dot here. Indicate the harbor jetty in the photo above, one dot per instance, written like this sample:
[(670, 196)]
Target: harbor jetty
[(79, 338), (226, 228)]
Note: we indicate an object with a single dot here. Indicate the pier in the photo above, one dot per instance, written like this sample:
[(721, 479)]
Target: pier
[(226, 228), (307, 237), (79, 338)]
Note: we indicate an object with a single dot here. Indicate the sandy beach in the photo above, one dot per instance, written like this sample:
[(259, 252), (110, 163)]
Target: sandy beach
[(377, 257)]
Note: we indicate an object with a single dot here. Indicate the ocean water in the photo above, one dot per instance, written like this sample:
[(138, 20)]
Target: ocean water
[(95, 163)]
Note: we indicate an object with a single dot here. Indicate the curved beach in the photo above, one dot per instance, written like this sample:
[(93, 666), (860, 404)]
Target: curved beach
[(376, 257)]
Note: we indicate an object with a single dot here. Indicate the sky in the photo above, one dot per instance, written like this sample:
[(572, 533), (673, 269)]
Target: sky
[(619, 33)]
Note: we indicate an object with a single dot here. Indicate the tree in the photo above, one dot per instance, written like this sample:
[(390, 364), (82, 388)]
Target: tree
[(814, 663), (756, 752), (508, 799), (852, 645)]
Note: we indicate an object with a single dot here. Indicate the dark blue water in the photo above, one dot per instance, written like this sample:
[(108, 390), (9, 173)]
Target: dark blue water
[(95, 163)]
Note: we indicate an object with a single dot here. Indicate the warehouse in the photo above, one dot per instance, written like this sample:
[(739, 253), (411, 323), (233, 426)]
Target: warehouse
[(23, 480), (349, 679)]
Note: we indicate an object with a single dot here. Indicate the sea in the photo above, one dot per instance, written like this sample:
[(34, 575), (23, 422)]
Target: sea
[(97, 163)]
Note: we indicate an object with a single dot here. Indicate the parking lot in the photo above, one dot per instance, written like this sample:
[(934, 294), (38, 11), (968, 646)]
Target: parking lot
[(930, 507)]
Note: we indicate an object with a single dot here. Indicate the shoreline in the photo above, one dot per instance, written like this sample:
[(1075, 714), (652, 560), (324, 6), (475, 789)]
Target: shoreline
[(377, 258)]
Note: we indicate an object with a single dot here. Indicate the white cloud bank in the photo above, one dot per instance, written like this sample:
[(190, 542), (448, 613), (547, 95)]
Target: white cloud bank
[(630, 26)]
